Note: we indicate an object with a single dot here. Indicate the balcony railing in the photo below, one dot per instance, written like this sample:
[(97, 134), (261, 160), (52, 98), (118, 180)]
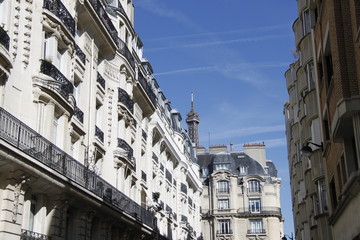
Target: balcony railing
[(100, 11), (184, 218), (99, 134), (256, 231), (190, 201), (124, 50), (222, 190), (25, 139), (143, 134), (224, 232), (260, 211), (4, 38), (80, 54), (62, 85), (29, 235), (79, 114), (100, 80), (124, 98), (124, 145), (148, 89), (60, 11)]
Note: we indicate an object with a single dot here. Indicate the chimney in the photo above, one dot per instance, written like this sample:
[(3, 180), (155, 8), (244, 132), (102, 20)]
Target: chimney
[(256, 151), (217, 148)]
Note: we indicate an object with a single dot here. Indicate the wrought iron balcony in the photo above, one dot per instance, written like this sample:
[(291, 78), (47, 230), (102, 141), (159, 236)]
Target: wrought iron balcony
[(100, 80), (161, 167), (60, 11), (256, 231), (29, 235), (124, 98), (183, 188), (80, 54), (190, 201), (124, 50), (99, 9), (99, 134), (124, 145), (224, 232), (184, 218), (25, 139), (143, 134), (272, 211), (148, 90), (79, 114), (4, 38), (61, 84)]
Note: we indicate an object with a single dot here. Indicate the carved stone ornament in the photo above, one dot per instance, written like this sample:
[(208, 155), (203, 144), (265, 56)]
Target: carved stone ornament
[(17, 194)]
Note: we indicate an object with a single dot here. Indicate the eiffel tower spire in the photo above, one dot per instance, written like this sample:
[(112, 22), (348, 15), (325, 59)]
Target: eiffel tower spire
[(193, 120)]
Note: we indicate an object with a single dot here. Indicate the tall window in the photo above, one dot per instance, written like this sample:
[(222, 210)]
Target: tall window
[(319, 199), (306, 21), (224, 226), (223, 204), (309, 75), (256, 226), (255, 205), (254, 186), (223, 187)]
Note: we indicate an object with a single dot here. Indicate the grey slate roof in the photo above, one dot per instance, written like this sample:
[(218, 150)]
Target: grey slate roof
[(235, 160)]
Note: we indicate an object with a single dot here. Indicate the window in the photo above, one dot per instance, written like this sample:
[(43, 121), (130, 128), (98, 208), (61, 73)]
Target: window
[(255, 205), (256, 226), (309, 76), (224, 226), (319, 199), (223, 204), (254, 186), (333, 195), (221, 166), (205, 172), (243, 169), (223, 187), (306, 21)]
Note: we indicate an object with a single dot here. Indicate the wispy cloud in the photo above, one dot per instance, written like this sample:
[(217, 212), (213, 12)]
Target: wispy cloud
[(222, 42), (245, 132), (160, 9), (222, 33)]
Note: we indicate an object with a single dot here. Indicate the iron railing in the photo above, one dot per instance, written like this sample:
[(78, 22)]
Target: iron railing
[(4, 38), (256, 231), (59, 10), (30, 235), (99, 134), (124, 98), (80, 54), (184, 218), (79, 114), (260, 211), (224, 232), (100, 11), (19, 135), (124, 145), (223, 190), (62, 85), (124, 50), (161, 167), (190, 201), (100, 80), (148, 90)]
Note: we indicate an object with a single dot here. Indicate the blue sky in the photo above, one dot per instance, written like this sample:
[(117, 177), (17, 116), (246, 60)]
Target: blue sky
[(232, 54)]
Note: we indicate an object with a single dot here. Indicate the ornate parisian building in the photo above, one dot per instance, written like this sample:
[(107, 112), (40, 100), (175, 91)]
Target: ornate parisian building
[(322, 120), (241, 196), (89, 148)]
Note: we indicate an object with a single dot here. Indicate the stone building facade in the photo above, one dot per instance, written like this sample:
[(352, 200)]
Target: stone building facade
[(90, 148), (241, 196), (332, 30)]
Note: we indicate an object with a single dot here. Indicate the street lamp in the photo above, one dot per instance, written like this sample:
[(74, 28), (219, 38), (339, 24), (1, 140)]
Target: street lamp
[(307, 148), (284, 237)]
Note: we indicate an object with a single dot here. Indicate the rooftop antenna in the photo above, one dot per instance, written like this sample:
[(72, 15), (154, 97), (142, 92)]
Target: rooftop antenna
[(192, 100), (231, 146)]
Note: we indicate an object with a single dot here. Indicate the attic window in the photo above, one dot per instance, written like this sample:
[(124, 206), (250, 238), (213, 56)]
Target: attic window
[(221, 166), (243, 169)]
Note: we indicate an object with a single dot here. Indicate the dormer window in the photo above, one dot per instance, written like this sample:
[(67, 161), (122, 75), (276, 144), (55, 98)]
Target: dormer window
[(243, 169), (222, 166)]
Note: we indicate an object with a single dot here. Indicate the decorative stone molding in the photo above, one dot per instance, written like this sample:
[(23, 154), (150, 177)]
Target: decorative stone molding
[(110, 94), (17, 193), (56, 30)]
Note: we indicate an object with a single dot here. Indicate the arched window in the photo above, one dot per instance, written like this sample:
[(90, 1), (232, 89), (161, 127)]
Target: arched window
[(253, 186), (223, 186)]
